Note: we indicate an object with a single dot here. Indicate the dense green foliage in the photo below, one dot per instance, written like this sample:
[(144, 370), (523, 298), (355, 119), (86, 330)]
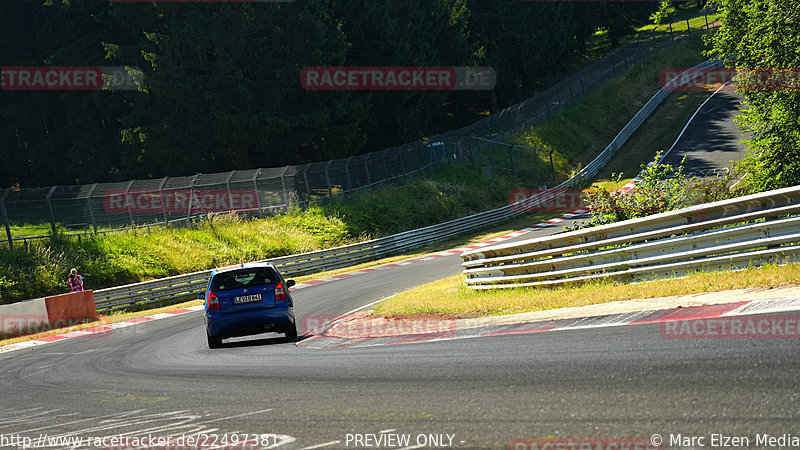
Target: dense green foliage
[(221, 87), (765, 34)]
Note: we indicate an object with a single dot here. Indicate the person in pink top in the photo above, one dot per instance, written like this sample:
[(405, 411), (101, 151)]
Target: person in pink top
[(75, 281)]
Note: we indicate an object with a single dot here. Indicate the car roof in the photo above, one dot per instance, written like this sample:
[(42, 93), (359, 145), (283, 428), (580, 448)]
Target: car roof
[(249, 265)]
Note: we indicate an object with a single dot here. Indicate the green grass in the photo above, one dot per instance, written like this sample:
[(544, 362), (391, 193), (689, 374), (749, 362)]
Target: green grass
[(450, 296)]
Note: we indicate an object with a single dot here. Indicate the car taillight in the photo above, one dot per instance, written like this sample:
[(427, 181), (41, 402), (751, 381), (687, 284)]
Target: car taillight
[(213, 301), (280, 292)]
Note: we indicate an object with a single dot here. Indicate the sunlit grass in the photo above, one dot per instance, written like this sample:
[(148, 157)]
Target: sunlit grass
[(451, 296)]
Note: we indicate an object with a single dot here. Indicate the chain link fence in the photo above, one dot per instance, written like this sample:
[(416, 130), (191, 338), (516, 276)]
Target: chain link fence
[(96, 208)]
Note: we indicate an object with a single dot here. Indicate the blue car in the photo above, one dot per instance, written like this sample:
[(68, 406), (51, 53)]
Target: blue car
[(247, 299)]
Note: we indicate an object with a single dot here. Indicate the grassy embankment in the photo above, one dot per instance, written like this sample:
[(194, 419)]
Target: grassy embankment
[(576, 134)]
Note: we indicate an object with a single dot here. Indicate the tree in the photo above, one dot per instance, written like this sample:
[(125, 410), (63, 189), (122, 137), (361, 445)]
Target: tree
[(764, 34)]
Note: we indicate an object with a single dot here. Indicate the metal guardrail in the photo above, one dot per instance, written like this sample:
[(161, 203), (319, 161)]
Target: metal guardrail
[(728, 234), (295, 265)]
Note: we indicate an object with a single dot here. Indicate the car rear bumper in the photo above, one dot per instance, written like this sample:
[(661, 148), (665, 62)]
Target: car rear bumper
[(249, 322)]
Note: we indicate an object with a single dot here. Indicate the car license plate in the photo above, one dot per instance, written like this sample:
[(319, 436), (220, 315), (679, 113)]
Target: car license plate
[(247, 299)]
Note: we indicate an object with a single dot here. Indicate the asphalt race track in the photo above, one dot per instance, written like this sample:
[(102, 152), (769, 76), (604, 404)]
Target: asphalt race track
[(630, 382), (159, 379), (712, 140)]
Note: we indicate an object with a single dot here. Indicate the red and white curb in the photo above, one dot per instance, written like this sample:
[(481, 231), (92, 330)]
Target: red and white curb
[(98, 330), (455, 331)]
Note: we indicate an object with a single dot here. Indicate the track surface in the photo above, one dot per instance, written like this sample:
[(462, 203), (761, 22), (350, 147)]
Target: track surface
[(159, 378), (712, 140)]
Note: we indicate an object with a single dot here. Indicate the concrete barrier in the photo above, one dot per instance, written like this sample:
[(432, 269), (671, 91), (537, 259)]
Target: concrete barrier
[(42, 314)]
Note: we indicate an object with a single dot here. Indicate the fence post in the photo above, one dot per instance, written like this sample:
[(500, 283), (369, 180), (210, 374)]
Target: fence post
[(5, 217), (571, 95), (705, 13), (511, 158), (163, 200), (286, 200), (50, 208), (258, 196), (328, 179), (583, 85), (671, 36), (190, 200), (385, 166), (91, 207), (688, 27), (402, 164), (228, 188), (130, 211), (347, 173), (552, 166), (305, 177), (366, 169)]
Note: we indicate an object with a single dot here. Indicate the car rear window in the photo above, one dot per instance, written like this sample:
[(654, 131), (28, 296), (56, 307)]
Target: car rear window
[(244, 278)]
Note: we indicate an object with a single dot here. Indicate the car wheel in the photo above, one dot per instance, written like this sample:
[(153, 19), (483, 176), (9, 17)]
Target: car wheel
[(291, 332), (214, 341)]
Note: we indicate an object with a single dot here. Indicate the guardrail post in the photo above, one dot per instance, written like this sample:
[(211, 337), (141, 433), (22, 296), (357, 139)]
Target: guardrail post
[(50, 208), (5, 218), (91, 207)]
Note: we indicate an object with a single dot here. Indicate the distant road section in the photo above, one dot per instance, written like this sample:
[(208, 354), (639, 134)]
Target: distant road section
[(712, 140)]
